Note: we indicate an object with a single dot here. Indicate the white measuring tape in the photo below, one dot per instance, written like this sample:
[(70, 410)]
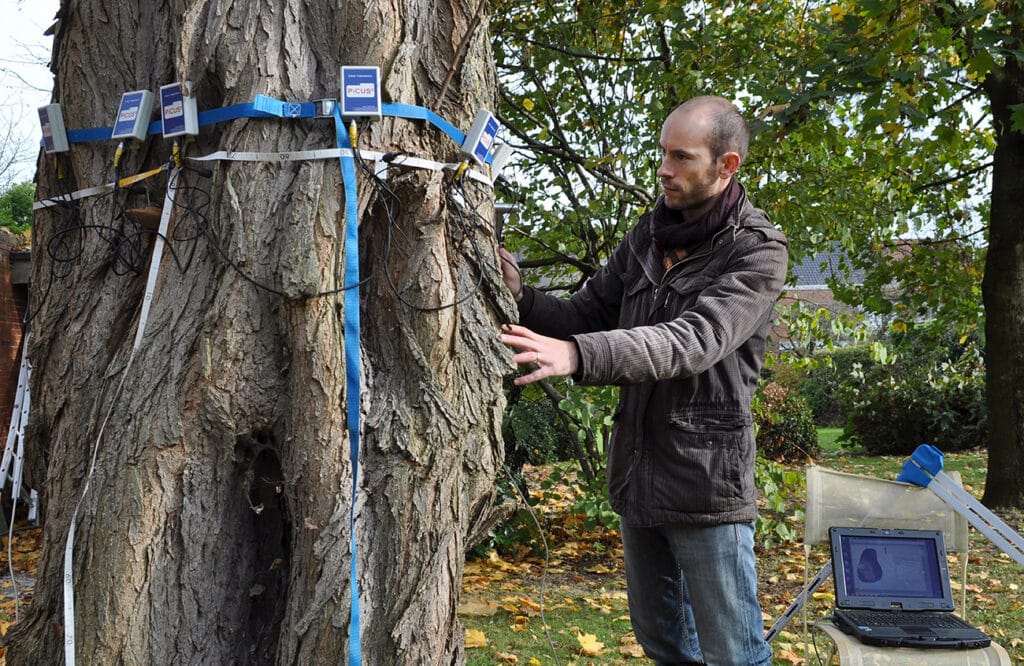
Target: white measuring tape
[(392, 159), (69, 547), (73, 196), (382, 160)]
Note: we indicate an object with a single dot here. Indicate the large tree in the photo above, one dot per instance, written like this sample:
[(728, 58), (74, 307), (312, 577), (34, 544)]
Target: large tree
[(216, 526)]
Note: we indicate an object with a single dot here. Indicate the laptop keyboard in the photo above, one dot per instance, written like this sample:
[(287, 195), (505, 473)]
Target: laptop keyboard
[(867, 618)]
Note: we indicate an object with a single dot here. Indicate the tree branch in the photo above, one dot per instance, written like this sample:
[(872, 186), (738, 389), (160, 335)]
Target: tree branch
[(951, 179), (563, 153), (572, 53)]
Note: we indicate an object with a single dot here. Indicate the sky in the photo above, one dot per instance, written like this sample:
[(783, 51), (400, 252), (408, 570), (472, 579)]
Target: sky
[(25, 80)]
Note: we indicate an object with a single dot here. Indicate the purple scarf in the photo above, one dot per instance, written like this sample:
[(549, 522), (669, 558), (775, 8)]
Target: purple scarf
[(671, 232)]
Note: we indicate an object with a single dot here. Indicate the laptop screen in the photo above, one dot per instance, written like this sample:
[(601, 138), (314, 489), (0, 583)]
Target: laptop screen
[(890, 569)]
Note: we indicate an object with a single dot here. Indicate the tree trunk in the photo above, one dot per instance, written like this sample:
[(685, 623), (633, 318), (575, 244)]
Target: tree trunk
[(1002, 291), (216, 525)]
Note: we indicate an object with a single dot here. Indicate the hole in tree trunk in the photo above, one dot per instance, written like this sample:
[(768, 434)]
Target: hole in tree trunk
[(268, 543)]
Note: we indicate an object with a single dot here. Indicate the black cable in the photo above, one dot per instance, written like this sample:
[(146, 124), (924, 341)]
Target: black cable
[(67, 213), (386, 193), (126, 247), (195, 213), (547, 557), (191, 201)]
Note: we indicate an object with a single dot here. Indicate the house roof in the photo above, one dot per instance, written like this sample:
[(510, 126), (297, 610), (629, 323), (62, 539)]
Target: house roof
[(815, 271)]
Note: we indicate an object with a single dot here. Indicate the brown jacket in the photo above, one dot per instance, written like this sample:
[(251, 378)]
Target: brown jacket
[(686, 345)]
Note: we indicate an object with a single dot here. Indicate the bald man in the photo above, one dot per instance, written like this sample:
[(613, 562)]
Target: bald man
[(677, 318)]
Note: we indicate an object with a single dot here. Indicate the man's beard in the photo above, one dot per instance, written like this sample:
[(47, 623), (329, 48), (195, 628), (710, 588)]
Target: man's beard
[(698, 198)]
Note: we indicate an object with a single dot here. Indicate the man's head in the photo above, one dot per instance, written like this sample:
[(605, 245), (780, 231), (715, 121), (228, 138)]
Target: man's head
[(703, 141)]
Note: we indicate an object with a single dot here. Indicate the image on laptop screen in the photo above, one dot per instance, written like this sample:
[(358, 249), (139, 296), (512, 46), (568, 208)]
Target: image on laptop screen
[(890, 572), (905, 567)]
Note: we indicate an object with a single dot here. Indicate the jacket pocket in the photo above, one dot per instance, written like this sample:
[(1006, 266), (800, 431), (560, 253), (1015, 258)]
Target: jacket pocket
[(636, 301), (682, 292), (703, 468)]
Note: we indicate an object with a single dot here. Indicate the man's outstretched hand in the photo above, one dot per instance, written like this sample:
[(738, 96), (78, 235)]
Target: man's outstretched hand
[(545, 357)]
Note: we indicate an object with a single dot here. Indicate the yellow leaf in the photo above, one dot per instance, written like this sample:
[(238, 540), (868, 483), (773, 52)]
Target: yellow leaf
[(520, 623), (528, 104), (837, 12), (600, 569), (534, 661), (475, 639), (628, 647), (477, 606), (589, 645), (529, 603), (633, 651)]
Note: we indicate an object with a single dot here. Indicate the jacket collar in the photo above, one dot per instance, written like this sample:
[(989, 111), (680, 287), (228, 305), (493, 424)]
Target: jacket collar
[(642, 245)]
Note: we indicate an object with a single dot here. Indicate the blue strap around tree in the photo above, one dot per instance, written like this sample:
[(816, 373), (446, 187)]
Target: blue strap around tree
[(264, 106), (352, 361)]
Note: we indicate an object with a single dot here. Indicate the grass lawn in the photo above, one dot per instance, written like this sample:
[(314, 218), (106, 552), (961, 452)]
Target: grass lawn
[(827, 439), (569, 607)]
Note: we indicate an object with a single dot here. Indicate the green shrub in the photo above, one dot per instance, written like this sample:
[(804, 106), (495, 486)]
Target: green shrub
[(16, 207), (897, 406), (783, 490), (534, 433), (519, 530), (539, 433), (820, 384), (785, 427)]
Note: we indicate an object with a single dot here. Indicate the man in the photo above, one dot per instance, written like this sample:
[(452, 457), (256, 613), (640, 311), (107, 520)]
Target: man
[(678, 318)]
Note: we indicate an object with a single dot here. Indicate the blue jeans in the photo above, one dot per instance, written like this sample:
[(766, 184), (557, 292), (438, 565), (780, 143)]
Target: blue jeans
[(693, 594)]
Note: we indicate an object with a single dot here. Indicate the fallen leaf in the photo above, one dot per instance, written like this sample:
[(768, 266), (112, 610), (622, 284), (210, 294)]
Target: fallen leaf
[(600, 569), (786, 655), (507, 658), (477, 606), (589, 645), (632, 651), (529, 603), (475, 639), (520, 623), (628, 647)]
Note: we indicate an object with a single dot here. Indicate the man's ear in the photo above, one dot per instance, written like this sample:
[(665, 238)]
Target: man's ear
[(728, 165)]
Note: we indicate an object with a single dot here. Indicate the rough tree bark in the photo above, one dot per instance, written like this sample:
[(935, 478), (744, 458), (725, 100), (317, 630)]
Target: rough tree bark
[(216, 528), (1002, 290)]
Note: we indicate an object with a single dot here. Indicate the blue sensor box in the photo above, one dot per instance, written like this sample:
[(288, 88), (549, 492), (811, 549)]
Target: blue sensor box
[(360, 92)]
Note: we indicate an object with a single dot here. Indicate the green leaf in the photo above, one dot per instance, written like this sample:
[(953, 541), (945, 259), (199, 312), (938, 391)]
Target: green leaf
[(980, 65), (1017, 118)]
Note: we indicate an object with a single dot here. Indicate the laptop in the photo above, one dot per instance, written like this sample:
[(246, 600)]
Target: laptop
[(892, 589)]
